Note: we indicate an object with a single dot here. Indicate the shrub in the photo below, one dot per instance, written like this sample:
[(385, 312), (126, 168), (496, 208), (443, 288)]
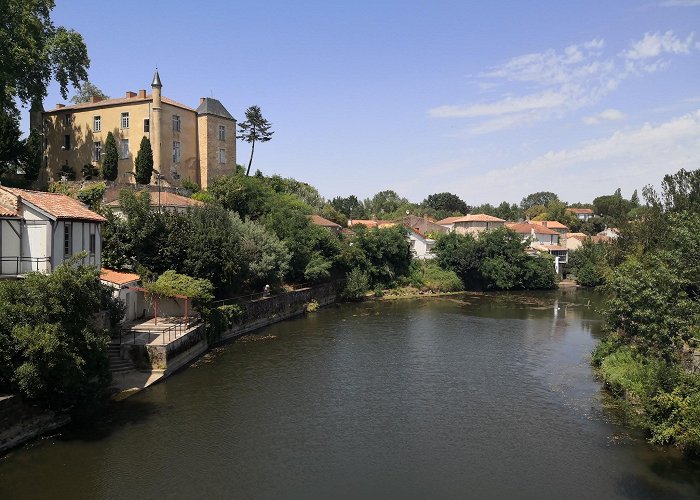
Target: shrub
[(357, 285), (429, 275), (89, 171), (92, 195), (68, 172)]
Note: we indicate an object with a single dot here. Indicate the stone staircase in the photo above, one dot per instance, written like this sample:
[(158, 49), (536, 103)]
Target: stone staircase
[(116, 363)]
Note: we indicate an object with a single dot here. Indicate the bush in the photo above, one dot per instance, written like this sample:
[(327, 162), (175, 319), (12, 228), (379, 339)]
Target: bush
[(92, 195), (68, 172), (89, 171), (428, 275), (357, 285)]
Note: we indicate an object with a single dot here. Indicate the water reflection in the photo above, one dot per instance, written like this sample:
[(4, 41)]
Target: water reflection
[(476, 395)]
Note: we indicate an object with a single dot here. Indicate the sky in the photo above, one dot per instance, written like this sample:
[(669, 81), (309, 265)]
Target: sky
[(490, 100)]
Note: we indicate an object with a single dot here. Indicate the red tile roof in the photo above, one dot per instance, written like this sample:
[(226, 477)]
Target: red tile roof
[(527, 228), (577, 236), (7, 212), (167, 199), (57, 205), (448, 220), (553, 224), (116, 102), (478, 218), (320, 221), (117, 277), (580, 210)]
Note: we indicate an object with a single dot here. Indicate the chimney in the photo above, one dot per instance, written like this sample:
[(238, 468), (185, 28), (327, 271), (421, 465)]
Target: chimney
[(59, 105), (142, 93), (202, 99), (95, 98), (130, 94)]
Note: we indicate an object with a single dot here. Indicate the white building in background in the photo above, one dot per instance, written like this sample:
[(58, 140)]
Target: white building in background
[(39, 231), (421, 245)]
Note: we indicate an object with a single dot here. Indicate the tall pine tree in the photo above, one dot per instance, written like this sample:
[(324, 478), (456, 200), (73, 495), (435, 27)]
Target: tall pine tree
[(110, 162), (144, 162)]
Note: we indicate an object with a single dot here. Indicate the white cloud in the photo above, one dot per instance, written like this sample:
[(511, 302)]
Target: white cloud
[(549, 85), (603, 116), (656, 44), (630, 159), (681, 3), (508, 105)]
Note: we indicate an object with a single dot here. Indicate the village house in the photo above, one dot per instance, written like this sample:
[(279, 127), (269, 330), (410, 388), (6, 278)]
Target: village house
[(473, 224), (195, 144), (554, 225), (582, 213), (371, 223), (448, 222), (124, 286), (423, 225), (328, 224), (39, 231), (542, 239), (421, 245)]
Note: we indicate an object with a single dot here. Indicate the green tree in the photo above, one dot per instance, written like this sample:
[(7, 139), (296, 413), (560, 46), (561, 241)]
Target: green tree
[(85, 91), (110, 162), (447, 202), (33, 52), (543, 198), (144, 162), (384, 254), (248, 196), (350, 207), (589, 264), (31, 161), (51, 351), (11, 150), (384, 202), (254, 129)]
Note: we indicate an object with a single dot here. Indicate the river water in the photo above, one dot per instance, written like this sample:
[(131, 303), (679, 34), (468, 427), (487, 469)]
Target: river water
[(474, 396)]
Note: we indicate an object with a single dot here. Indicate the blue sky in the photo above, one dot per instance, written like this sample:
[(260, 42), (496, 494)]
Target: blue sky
[(488, 100)]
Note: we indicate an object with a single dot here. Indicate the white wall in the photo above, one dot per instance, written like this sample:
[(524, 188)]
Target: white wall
[(10, 245)]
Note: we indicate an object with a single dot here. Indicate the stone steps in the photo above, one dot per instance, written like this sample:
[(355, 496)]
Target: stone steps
[(116, 363)]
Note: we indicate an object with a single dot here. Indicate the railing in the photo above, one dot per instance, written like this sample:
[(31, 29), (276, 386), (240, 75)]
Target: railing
[(141, 335), (255, 296), (23, 265)]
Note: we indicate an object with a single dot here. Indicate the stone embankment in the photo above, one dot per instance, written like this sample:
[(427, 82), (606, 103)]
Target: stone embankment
[(21, 422)]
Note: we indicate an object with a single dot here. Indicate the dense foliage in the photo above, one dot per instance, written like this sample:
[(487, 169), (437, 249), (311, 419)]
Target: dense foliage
[(144, 162), (494, 261), (653, 312), (50, 349), (110, 160)]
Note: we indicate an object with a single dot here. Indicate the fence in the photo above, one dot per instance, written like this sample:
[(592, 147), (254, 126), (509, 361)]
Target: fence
[(256, 296), (14, 266), (142, 336)]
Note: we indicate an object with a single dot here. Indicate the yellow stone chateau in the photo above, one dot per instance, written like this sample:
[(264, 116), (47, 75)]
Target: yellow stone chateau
[(195, 144)]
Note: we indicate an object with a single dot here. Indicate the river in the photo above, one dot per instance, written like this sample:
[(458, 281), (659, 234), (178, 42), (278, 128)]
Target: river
[(470, 396)]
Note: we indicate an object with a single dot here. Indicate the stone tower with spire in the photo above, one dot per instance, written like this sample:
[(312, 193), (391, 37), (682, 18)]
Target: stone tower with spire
[(155, 121)]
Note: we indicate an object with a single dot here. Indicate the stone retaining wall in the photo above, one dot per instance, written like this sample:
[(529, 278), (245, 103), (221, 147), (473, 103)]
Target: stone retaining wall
[(21, 422)]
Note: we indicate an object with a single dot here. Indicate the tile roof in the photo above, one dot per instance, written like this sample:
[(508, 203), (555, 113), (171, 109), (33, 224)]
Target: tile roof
[(57, 205), (320, 221), (371, 223), (553, 224), (478, 218), (577, 236), (7, 212), (449, 220), (167, 199), (117, 102), (117, 277), (211, 106), (580, 210), (527, 228)]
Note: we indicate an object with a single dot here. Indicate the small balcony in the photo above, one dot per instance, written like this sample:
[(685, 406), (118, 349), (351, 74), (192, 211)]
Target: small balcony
[(13, 266)]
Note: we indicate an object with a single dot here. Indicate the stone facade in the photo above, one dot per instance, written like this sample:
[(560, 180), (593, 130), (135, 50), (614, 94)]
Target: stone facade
[(75, 136)]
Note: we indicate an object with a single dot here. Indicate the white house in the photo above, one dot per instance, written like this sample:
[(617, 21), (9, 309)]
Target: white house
[(581, 213), (542, 239), (39, 230), (125, 287), (421, 245)]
